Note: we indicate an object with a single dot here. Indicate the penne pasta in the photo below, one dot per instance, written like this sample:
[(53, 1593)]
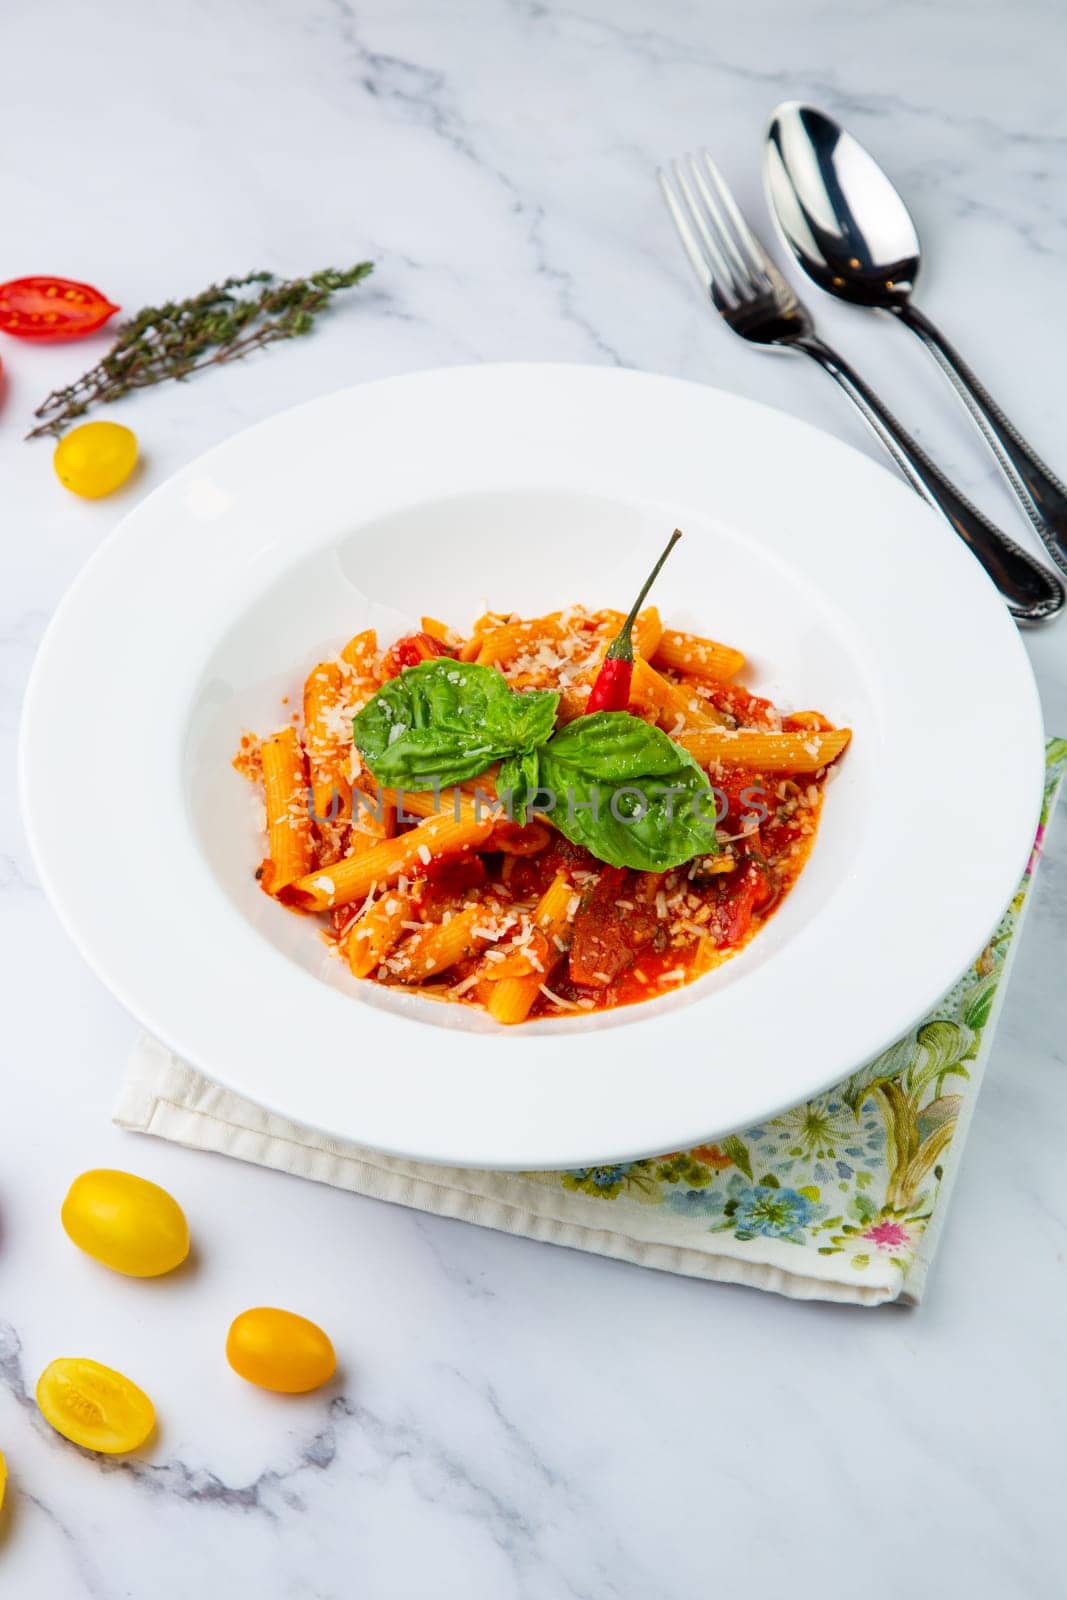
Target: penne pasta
[(511, 998), (806, 719), (373, 811), (453, 803), (440, 945), (696, 656), (672, 705), (327, 744), (355, 876), (516, 638), (291, 846), (361, 654), (441, 631), (374, 935), (806, 751)]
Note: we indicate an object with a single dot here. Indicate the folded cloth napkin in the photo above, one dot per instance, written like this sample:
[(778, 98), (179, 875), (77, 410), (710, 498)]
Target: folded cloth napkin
[(840, 1199)]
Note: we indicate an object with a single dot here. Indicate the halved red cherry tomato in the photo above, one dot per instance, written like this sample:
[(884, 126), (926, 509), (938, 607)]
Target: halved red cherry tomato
[(52, 308)]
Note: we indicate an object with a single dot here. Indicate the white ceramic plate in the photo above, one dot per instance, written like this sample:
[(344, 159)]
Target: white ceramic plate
[(527, 487)]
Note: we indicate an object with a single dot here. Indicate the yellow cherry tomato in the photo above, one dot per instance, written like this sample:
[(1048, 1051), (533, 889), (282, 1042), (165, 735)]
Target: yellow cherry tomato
[(94, 1406), (279, 1350), (3, 1479), (95, 459), (126, 1222)]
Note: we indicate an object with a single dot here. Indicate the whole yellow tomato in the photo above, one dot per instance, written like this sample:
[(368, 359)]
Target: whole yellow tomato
[(279, 1350), (94, 1406), (3, 1479), (126, 1222), (95, 459)]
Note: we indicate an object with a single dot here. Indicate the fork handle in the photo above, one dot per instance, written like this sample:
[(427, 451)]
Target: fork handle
[(1033, 593), (1043, 496)]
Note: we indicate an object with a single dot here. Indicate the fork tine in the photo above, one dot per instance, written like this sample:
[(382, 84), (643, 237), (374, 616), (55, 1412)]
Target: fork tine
[(758, 257), (685, 233), (740, 269), (714, 264)]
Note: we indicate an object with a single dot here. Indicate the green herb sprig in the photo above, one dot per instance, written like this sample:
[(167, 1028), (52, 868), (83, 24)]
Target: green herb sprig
[(223, 323)]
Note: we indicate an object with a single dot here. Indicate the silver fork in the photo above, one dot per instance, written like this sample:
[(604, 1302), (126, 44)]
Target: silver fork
[(756, 302)]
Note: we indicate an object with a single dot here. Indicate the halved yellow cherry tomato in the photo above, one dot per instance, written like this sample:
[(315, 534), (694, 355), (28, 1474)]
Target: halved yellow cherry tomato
[(94, 1406), (126, 1222), (95, 458), (279, 1350)]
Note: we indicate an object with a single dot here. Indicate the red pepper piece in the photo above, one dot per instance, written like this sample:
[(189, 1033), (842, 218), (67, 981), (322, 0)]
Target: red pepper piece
[(52, 308), (611, 690)]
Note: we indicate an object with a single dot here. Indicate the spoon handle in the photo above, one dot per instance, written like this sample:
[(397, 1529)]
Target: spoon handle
[(1033, 593), (1042, 494)]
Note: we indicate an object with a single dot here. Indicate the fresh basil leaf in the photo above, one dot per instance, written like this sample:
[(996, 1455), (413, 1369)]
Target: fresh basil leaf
[(517, 782), (445, 721), (627, 792)]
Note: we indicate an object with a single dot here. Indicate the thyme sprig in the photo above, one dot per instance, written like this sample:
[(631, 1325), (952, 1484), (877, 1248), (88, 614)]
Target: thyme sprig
[(223, 323)]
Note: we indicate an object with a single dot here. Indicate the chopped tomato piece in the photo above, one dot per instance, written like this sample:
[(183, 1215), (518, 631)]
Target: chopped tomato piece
[(740, 703), (744, 892), (446, 881), (743, 793), (514, 840), (606, 936), (409, 651), (804, 720)]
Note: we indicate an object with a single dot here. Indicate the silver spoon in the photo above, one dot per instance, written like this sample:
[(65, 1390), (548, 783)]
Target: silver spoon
[(853, 235)]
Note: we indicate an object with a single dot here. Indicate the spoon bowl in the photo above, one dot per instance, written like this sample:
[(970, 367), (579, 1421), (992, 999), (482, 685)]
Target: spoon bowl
[(840, 215)]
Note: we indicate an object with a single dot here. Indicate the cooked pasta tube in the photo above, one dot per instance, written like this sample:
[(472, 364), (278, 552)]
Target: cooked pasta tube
[(377, 932), (696, 656), (355, 876), (291, 846), (806, 751), (441, 631), (361, 653), (476, 801), (510, 1000), (440, 945), (328, 755), (673, 705), (373, 813), (515, 638)]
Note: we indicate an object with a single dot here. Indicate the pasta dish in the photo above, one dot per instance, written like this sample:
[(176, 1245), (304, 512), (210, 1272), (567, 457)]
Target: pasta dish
[(543, 816)]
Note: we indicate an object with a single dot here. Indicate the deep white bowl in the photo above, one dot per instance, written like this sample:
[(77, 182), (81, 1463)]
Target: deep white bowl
[(527, 487)]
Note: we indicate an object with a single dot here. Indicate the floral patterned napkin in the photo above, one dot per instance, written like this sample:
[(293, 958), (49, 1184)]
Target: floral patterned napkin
[(840, 1199)]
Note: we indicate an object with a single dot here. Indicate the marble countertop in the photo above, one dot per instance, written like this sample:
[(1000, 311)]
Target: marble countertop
[(515, 1420)]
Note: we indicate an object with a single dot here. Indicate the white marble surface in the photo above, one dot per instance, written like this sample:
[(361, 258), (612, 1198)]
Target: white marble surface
[(513, 1420)]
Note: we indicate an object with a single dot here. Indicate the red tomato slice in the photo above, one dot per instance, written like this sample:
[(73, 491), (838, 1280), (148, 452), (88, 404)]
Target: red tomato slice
[(52, 308)]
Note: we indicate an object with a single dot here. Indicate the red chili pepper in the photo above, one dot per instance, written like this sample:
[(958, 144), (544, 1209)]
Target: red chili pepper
[(611, 691), (52, 308)]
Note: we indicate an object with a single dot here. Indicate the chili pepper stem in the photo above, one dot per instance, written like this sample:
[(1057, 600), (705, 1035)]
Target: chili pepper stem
[(611, 691), (621, 647)]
